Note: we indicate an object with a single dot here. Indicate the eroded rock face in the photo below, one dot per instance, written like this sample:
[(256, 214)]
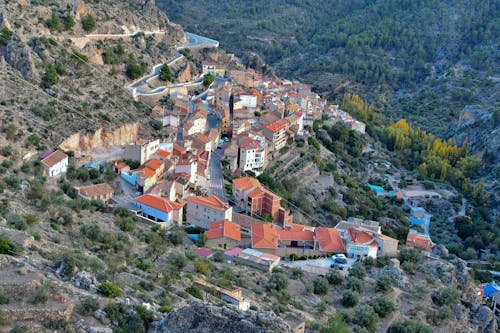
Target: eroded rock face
[(80, 142), (199, 317), (18, 55), (485, 319)]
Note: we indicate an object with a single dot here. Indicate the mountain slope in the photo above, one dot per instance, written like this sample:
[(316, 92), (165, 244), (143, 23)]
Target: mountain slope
[(423, 60)]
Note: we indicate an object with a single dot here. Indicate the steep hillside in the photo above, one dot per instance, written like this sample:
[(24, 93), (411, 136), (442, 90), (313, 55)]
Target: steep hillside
[(62, 74), (422, 60)]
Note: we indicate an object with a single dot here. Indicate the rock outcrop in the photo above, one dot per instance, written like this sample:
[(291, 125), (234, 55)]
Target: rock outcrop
[(80, 142), (486, 320), (199, 317), (18, 55)]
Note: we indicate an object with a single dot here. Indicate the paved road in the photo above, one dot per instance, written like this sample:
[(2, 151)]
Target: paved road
[(216, 182), (198, 41), (194, 41)]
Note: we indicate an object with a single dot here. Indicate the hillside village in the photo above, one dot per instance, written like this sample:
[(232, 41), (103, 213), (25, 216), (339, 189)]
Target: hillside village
[(174, 219)]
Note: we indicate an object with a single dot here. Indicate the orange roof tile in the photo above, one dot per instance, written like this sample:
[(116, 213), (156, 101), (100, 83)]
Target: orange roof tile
[(258, 192), (246, 183), (224, 228), (329, 240), (163, 153), (264, 236), (277, 125), (153, 164), (54, 158), (121, 165), (159, 203), (147, 172), (212, 201), (357, 235), (96, 190)]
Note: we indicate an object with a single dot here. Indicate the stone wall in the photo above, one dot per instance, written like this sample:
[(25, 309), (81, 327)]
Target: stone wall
[(45, 313), (79, 142)]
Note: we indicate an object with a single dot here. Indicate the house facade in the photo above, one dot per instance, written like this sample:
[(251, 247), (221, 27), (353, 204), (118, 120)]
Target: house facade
[(55, 164), (223, 235), (141, 150), (158, 210), (102, 192), (203, 211), (276, 133)]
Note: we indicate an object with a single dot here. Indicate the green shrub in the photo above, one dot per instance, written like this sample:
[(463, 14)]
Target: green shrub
[(195, 292), (382, 306), (320, 285), (88, 23), (384, 283), (409, 254), (357, 271), (277, 282), (88, 306), (42, 294), (110, 289), (7, 246), (366, 317), (335, 324), (350, 298), (445, 296), (335, 277), (177, 259), (202, 266), (17, 221), (355, 284)]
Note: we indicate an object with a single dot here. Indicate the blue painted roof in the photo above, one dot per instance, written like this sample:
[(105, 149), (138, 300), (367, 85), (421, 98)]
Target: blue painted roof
[(415, 221)]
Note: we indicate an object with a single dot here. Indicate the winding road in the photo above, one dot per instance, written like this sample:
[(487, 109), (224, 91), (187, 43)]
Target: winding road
[(194, 41)]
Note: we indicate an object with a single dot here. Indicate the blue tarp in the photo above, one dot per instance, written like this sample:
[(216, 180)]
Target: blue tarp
[(490, 289), (193, 237)]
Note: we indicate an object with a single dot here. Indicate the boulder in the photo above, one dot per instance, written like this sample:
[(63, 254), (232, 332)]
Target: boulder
[(485, 319), (441, 251), (397, 276), (85, 280)]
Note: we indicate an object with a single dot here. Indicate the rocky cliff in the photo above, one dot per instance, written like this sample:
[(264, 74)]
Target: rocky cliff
[(79, 142), (198, 317)]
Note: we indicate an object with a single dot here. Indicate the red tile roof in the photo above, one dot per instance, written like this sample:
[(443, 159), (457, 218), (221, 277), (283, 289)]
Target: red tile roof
[(329, 240), (419, 241), (54, 158), (163, 153), (264, 236), (121, 165), (96, 190), (153, 164), (212, 201), (147, 172), (358, 235), (159, 203), (245, 183), (224, 228), (277, 126)]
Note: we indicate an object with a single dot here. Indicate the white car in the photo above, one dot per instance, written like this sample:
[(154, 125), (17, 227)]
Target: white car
[(340, 255)]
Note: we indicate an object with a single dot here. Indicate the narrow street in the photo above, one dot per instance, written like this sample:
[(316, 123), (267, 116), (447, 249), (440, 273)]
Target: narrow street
[(216, 182)]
